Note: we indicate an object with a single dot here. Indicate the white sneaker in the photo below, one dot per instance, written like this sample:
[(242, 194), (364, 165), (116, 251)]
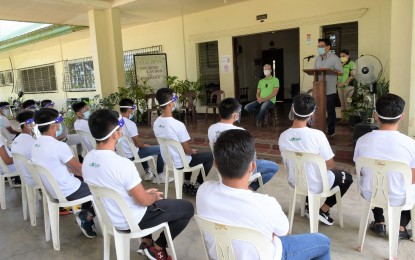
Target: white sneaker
[(148, 176), (162, 178)]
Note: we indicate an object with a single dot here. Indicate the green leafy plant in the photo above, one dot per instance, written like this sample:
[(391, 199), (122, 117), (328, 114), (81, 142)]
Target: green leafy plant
[(180, 87)]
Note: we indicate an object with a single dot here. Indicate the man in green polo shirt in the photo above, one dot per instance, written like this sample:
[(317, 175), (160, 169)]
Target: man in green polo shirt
[(265, 95)]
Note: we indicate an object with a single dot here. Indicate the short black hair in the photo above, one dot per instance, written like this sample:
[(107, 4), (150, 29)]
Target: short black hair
[(125, 102), (345, 51), (102, 122), (227, 107), (326, 41), (78, 106), (233, 151), (390, 105), (45, 102), (24, 116), (28, 103), (303, 104), (45, 115), (164, 95), (2, 104)]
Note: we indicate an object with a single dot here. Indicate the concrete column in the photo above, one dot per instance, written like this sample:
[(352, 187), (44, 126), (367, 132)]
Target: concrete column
[(402, 59), (107, 51), (227, 81)]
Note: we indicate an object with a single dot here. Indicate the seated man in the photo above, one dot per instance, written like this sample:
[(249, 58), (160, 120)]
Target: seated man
[(57, 157), (232, 202), (4, 121), (23, 143), (388, 144), (300, 138), (229, 110), (47, 103), (265, 96), (30, 104), (166, 126), (7, 158), (103, 167), (127, 109), (82, 112)]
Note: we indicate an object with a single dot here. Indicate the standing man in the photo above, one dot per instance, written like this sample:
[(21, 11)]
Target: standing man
[(265, 95), (329, 60)]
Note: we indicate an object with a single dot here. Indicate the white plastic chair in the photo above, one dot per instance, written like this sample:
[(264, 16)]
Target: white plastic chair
[(178, 174), (54, 204), (86, 147), (224, 234), (380, 198), (6, 174), (29, 193), (137, 160), (122, 238), (254, 176), (300, 160)]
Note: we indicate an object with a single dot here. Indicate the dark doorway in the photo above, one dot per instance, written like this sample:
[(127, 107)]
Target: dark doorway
[(275, 57)]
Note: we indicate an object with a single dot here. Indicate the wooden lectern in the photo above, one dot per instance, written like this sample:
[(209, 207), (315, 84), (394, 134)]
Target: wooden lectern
[(319, 94)]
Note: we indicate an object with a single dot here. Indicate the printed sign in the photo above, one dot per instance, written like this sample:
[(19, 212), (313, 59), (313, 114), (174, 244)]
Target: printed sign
[(151, 68), (226, 63)]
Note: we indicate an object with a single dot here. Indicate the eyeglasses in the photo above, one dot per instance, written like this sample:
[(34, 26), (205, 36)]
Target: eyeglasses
[(174, 99), (133, 107), (119, 125), (56, 121)]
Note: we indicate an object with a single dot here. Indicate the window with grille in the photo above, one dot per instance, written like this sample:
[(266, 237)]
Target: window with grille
[(209, 68), (79, 75), (6, 78), (38, 79)]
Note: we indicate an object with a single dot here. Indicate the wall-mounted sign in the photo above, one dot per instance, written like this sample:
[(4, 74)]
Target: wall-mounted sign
[(226, 64), (151, 68)]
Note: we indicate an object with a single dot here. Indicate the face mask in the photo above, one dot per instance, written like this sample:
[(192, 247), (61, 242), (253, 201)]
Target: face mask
[(60, 131), (321, 50), (87, 114), (310, 121), (344, 59), (131, 116), (267, 72), (6, 113), (120, 139)]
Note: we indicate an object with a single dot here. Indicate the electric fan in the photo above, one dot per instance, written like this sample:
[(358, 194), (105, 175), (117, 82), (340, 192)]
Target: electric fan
[(368, 71)]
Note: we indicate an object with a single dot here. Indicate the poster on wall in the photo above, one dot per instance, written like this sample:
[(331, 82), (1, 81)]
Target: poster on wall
[(151, 68), (226, 63)]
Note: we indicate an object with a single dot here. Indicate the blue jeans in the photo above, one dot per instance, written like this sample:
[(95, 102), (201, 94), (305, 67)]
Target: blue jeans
[(267, 169), (305, 246), (259, 109), (149, 151)]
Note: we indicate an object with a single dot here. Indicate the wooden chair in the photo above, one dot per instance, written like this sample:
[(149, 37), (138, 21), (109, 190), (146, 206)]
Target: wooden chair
[(215, 99), (153, 107), (243, 94), (188, 105)]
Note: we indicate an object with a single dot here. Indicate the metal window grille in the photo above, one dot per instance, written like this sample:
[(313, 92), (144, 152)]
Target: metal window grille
[(78, 75), (6, 78), (39, 79)]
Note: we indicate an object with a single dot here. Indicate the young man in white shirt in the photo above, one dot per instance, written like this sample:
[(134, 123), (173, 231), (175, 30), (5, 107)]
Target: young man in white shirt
[(7, 158), (82, 112), (166, 126), (388, 144), (300, 138), (229, 110), (23, 143), (4, 121), (57, 157), (232, 202), (127, 109), (103, 167)]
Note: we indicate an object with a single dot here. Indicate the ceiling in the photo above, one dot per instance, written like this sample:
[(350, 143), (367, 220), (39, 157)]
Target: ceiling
[(74, 12)]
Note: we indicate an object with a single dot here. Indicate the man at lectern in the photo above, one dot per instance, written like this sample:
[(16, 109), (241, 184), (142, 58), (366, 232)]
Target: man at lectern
[(329, 60)]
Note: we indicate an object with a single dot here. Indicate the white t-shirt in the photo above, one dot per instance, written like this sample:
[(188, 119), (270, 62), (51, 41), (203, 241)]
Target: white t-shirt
[(11, 167), (4, 121), (23, 144), (307, 140), (53, 155), (170, 128), (82, 124), (107, 169), (215, 129), (386, 145), (129, 129), (245, 208)]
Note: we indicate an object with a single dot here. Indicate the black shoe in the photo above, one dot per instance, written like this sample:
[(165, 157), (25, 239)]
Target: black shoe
[(406, 234), (325, 218), (379, 229), (190, 188), (85, 225)]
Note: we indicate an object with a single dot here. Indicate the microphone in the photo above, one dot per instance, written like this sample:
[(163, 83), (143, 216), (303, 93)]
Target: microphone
[(309, 57)]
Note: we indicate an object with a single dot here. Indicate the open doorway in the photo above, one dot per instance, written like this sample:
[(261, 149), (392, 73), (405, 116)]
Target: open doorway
[(280, 49)]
